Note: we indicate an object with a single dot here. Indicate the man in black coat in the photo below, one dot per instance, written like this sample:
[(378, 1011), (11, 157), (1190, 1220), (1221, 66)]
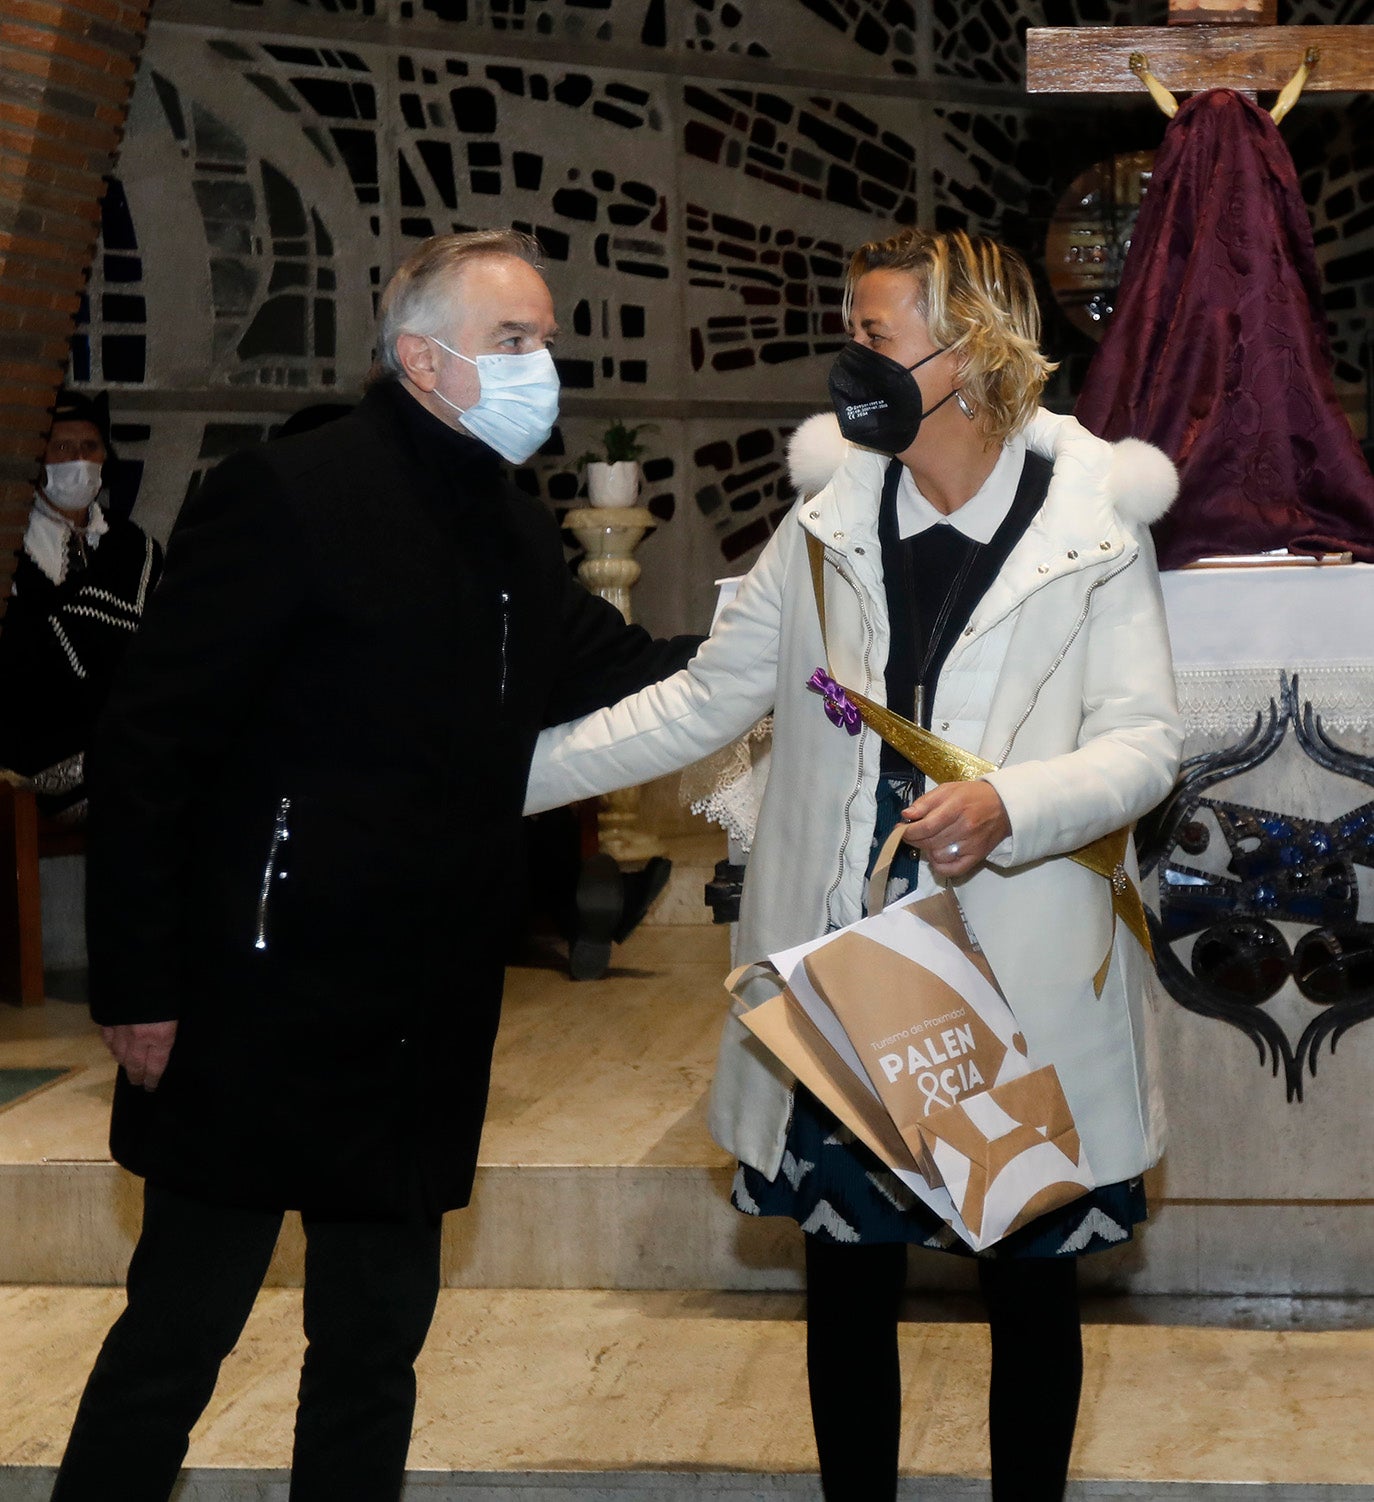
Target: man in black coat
[(305, 804)]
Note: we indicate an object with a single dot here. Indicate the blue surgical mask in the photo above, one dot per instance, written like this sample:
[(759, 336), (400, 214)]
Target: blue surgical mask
[(517, 405)]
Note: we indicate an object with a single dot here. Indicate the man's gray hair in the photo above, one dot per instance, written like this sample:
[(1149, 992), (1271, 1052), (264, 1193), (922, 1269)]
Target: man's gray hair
[(419, 297)]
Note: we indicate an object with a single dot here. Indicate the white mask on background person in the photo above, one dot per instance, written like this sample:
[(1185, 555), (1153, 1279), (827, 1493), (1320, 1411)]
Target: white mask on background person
[(518, 403), (72, 485)]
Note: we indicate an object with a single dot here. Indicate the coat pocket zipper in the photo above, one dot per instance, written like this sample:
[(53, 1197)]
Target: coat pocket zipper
[(280, 835), (505, 641)]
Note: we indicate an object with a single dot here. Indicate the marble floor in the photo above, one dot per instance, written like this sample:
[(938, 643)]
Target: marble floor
[(652, 1371), (523, 1381)]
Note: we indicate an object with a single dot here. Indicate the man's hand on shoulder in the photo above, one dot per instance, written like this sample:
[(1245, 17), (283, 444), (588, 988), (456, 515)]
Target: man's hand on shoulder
[(142, 1049)]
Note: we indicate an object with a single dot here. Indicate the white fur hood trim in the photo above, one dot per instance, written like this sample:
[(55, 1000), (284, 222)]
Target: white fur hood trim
[(1138, 479), (1142, 481), (814, 452)]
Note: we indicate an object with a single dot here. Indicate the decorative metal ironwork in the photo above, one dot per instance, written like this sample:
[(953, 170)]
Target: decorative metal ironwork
[(1278, 868)]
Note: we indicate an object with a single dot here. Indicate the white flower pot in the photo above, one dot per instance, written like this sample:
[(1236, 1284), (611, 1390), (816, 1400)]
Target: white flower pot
[(613, 484)]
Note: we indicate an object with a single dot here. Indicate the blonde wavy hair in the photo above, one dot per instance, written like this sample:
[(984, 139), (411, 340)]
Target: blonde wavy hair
[(977, 299)]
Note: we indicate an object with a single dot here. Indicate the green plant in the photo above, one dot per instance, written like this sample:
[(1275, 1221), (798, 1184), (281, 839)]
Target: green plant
[(619, 445)]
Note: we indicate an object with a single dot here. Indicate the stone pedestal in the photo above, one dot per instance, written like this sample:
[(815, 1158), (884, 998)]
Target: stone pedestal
[(610, 534)]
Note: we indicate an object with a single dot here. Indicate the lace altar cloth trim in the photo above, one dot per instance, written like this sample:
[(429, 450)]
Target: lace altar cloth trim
[(1224, 701), (728, 786)]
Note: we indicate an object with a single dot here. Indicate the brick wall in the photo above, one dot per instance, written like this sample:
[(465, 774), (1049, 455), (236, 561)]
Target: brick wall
[(66, 69)]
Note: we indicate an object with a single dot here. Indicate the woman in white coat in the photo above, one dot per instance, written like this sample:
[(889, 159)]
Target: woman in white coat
[(988, 573)]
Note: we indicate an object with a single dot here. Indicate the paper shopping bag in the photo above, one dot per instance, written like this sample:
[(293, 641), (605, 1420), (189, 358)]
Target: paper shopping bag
[(896, 1024)]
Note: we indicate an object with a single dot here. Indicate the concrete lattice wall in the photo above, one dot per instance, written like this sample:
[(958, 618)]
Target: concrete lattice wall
[(697, 169)]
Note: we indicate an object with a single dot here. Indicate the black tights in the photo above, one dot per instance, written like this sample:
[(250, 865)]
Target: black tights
[(853, 1294)]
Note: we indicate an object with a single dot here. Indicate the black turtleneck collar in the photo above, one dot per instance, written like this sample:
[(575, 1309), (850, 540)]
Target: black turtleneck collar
[(433, 438), (457, 472)]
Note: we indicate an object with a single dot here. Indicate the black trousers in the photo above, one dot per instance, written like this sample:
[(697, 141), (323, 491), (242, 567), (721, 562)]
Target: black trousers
[(370, 1292), (853, 1295)]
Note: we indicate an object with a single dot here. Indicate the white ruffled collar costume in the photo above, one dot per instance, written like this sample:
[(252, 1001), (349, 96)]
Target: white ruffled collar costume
[(51, 535)]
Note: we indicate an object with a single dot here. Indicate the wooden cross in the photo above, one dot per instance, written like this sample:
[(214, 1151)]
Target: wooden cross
[(1208, 44)]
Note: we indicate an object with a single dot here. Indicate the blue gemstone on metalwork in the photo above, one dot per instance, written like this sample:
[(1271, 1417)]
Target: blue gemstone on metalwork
[(1292, 855), (1352, 825), (1320, 842), (1265, 896), (1277, 829)]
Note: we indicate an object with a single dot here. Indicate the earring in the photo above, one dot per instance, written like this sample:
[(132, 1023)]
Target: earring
[(964, 405)]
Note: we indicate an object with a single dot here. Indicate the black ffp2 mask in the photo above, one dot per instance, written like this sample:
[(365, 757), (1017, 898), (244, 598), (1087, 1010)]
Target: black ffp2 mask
[(877, 401)]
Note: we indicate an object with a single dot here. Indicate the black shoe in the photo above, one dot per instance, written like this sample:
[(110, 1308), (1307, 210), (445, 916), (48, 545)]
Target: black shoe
[(598, 905)]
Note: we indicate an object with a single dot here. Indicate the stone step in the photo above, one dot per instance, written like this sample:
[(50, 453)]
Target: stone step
[(597, 1124), (687, 1395), (236, 1484)]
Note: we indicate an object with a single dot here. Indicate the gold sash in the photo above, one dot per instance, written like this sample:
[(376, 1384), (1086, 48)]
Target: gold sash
[(943, 762)]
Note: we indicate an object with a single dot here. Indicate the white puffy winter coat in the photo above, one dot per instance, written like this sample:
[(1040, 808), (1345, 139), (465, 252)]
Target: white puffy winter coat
[(1062, 678)]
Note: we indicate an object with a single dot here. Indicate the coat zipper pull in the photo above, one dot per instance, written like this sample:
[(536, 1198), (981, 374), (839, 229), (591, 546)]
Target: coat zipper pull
[(280, 835)]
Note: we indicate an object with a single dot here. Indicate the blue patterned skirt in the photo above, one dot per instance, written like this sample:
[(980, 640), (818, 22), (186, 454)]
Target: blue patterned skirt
[(836, 1188)]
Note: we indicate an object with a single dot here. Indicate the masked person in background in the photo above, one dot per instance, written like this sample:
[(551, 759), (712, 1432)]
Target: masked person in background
[(79, 590), (305, 816), (986, 572)]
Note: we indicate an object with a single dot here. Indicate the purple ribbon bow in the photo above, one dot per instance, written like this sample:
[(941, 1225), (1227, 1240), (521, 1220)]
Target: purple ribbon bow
[(838, 709)]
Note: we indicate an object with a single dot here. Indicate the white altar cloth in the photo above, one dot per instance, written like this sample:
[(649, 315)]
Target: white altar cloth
[(1234, 630), (1261, 1193)]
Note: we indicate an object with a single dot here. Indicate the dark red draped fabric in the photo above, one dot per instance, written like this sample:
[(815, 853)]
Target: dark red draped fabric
[(1217, 351)]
